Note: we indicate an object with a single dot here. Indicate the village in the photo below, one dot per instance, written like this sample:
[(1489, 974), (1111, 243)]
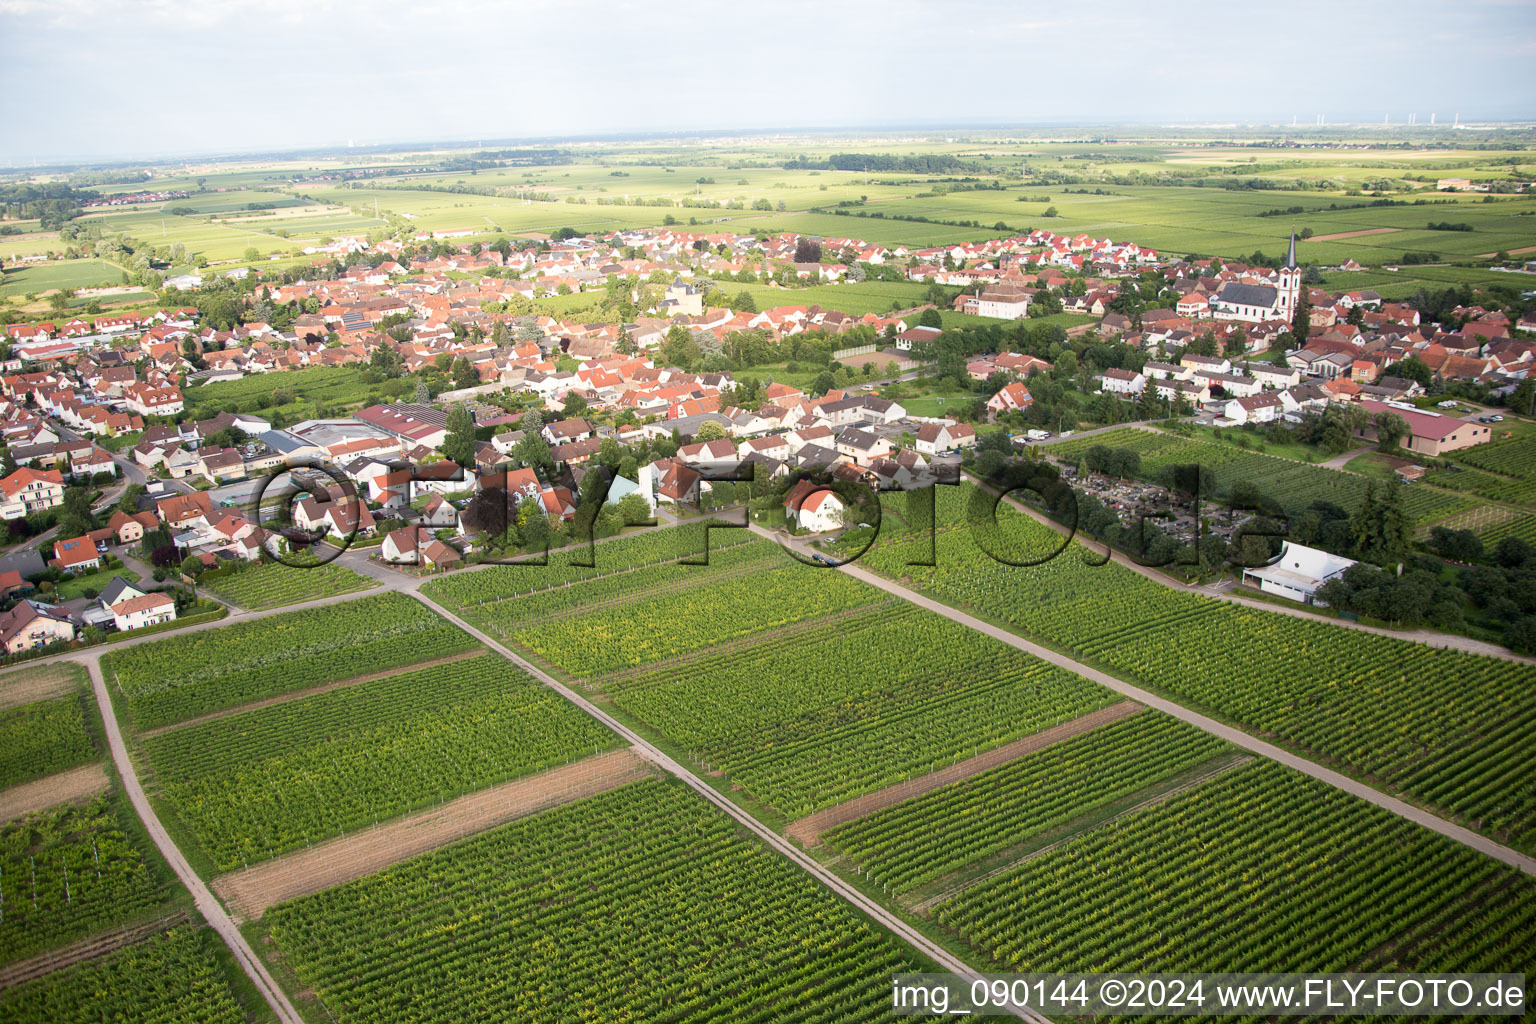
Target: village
[(544, 400)]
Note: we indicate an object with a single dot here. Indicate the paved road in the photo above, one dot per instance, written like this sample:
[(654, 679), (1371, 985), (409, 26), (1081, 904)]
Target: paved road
[(874, 910), (211, 909), (1231, 734), (1428, 637)]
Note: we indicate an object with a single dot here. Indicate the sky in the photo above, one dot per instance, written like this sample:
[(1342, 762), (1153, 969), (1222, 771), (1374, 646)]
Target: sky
[(132, 79)]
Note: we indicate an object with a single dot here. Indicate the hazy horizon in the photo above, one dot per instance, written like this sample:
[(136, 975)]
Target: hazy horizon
[(167, 80)]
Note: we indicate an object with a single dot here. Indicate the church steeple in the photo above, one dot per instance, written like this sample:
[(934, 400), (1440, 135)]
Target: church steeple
[(1289, 292), (1290, 256)]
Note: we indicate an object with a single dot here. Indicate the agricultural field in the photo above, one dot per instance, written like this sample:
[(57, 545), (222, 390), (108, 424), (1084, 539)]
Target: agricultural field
[(1250, 872), (643, 903), (44, 737), (922, 840), (175, 679), (258, 783), (337, 388), (1449, 729), (775, 720), (38, 682), (173, 976), (60, 274), (73, 870), (1293, 484), (274, 584)]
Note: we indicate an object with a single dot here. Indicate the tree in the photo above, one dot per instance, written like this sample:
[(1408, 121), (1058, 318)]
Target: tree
[(129, 502), (930, 317), (460, 443), (807, 250), (574, 405), (532, 451), (488, 513), (635, 509), (711, 431), (1301, 321), (1391, 428), (744, 302), (192, 566), (823, 383), (75, 516), (465, 375), (1456, 545)]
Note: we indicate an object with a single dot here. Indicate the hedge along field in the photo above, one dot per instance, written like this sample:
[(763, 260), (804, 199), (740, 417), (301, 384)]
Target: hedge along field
[(70, 871), (256, 784), (172, 680), (639, 904), (1450, 729), (171, 977), (43, 738), (851, 705), (923, 839), (1253, 871)]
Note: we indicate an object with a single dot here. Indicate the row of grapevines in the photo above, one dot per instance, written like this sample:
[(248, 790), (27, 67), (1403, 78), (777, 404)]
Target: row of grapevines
[(923, 839), (811, 720), (69, 871), (172, 978), (275, 584), (1260, 870), (501, 615), (1411, 715), (179, 678), (639, 904), (255, 784), (461, 589), (1514, 457), (712, 612), (44, 737)]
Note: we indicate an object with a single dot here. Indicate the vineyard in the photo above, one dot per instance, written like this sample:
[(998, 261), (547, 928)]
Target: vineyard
[(639, 904), (708, 612), (650, 548), (172, 680), (43, 738), (1295, 485), (1444, 726), (172, 977), (67, 872), (259, 783), (851, 705), (1257, 870), (274, 585), (922, 840), (39, 682), (1515, 457)]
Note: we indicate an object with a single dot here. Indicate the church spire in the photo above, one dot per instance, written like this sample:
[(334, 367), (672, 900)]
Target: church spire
[(1290, 256)]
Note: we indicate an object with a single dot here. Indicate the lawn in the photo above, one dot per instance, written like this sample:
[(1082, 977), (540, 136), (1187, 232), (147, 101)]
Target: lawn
[(76, 586), (59, 274)]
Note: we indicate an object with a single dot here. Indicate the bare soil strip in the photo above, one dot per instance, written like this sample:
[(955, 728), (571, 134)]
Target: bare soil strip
[(1352, 234), (88, 948), (284, 698), (249, 892), (75, 784), (957, 883), (1513, 252), (808, 830), (29, 685)]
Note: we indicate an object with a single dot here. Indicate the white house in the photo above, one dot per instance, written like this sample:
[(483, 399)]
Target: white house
[(933, 438), (143, 610), (813, 507), (1116, 381), (1262, 408), (1298, 572)]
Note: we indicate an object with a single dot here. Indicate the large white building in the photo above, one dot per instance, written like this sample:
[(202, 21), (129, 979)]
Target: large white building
[(1257, 303), (1298, 572)]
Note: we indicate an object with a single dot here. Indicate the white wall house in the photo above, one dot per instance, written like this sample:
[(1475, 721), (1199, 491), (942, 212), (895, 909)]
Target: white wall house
[(1298, 572)]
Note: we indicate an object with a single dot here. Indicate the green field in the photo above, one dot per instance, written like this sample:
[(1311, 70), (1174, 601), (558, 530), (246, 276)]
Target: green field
[(259, 783), (273, 585), (1448, 729), (639, 904), (44, 737), (338, 388), (62, 274), (182, 677)]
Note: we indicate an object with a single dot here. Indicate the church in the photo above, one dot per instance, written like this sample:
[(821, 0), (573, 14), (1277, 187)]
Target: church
[(1256, 303)]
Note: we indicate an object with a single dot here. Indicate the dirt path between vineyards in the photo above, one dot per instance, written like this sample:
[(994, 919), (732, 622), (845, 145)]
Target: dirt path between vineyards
[(1336, 236), (86, 949), (284, 698), (1513, 252), (808, 830), (40, 686), (75, 784), (249, 892)]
